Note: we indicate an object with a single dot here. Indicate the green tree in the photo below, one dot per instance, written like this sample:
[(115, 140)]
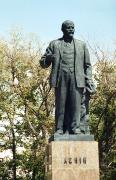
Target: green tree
[(103, 109), (26, 105)]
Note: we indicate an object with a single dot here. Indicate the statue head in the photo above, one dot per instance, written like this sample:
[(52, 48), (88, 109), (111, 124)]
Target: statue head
[(68, 28)]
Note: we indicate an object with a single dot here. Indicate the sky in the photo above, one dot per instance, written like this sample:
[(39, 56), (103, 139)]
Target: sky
[(95, 20)]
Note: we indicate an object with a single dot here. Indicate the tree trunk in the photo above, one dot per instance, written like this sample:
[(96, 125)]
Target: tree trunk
[(33, 174), (14, 154)]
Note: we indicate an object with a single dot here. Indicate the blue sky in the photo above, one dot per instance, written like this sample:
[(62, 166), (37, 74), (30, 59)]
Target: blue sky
[(95, 20)]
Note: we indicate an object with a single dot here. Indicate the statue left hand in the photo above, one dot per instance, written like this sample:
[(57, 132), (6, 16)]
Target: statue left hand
[(90, 87)]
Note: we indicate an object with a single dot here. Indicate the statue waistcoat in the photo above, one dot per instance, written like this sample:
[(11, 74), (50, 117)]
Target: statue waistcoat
[(68, 55)]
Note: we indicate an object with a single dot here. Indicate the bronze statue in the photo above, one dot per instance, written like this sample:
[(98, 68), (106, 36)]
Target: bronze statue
[(71, 75)]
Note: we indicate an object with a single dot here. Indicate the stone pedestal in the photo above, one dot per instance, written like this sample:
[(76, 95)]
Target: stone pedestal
[(72, 160)]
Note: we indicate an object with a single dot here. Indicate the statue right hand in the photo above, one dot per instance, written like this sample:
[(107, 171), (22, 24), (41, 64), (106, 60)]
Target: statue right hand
[(50, 56)]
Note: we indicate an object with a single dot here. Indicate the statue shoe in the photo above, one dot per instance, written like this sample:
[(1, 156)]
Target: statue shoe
[(59, 132), (77, 131)]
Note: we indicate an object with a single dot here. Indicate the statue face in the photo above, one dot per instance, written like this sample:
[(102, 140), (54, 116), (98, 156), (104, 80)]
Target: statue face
[(68, 30)]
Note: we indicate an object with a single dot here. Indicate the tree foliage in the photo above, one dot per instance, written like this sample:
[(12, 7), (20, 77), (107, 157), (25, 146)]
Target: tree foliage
[(26, 106), (27, 109), (103, 113)]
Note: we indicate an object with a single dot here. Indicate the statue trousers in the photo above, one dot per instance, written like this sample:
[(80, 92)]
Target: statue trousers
[(67, 102)]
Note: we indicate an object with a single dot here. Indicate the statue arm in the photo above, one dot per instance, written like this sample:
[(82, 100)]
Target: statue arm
[(47, 58), (87, 64), (88, 73)]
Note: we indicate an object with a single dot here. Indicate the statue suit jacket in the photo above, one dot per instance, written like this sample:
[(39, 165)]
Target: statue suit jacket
[(82, 65)]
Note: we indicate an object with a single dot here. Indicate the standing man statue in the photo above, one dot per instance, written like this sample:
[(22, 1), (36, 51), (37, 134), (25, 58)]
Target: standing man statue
[(71, 73)]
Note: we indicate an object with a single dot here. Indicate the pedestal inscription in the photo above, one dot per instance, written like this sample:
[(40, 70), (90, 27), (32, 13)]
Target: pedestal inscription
[(70, 160)]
